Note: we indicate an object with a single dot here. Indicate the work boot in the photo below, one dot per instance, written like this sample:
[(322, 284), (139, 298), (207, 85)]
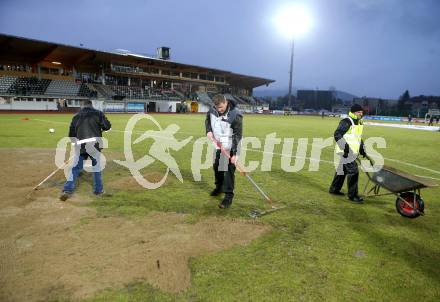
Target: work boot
[(65, 195), (216, 192), (227, 201), (357, 199), (102, 194), (336, 193)]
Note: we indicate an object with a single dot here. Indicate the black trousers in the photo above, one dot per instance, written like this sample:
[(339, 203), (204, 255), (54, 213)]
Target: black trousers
[(224, 174), (352, 172)]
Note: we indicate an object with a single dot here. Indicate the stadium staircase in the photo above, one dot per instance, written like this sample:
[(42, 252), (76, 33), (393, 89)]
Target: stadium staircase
[(204, 98), (231, 97), (179, 94), (86, 92), (93, 90), (104, 90)]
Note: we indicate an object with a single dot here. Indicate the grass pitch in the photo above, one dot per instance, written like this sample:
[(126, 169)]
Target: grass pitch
[(321, 247)]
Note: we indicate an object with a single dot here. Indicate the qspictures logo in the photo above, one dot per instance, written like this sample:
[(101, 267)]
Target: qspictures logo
[(164, 144)]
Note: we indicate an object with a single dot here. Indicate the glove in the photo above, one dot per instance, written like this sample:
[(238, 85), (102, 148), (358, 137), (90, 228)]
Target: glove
[(346, 151)]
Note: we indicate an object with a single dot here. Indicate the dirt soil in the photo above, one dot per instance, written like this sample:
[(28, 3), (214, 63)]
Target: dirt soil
[(52, 250)]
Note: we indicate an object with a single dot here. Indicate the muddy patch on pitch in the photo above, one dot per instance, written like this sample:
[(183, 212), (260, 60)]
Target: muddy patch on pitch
[(22, 170), (52, 250), (63, 251)]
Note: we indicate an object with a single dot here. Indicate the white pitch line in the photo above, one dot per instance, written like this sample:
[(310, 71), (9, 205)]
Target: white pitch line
[(427, 177), (413, 165)]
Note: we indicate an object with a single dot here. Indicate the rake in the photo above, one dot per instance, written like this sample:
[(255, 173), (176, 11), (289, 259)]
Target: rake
[(253, 213)]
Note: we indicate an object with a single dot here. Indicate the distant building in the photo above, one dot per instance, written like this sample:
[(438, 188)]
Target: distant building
[(324, 99), (417, 106), (316, 99), (339, 101), (422, 102), (376, 106)]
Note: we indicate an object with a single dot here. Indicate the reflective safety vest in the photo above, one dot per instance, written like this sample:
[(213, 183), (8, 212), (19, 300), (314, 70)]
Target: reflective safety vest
[(222, 131), (353, 136)]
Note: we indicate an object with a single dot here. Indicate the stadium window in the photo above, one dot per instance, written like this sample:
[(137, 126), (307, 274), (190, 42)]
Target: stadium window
[(175, 73), (186, 75), (166, 72), (202, 76), (154, 70), (194, 75), (210, 77)]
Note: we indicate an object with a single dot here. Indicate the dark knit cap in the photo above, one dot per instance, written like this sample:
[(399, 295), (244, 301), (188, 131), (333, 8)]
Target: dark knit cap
[(356, 107)]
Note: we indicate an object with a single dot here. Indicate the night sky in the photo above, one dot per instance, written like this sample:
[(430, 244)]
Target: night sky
[(376, 48)]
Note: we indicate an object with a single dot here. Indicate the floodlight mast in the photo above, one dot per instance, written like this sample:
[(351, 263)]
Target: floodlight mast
[(291, 74), (293, 21)]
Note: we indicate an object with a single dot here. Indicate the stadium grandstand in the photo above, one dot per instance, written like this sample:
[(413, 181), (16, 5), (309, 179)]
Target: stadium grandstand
[(46, 76)]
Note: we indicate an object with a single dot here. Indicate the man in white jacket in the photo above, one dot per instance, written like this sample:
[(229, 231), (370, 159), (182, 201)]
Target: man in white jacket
[(224, 123)]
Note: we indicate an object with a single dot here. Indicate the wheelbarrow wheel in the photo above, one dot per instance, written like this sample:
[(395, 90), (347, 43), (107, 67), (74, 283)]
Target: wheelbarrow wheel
[(410, 205)]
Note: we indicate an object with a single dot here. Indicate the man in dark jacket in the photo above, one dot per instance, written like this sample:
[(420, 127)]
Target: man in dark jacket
[(348, 137), (86, 129), (224, 123)]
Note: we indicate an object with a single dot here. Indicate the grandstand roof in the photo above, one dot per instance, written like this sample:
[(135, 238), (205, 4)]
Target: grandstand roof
[(23, 50)]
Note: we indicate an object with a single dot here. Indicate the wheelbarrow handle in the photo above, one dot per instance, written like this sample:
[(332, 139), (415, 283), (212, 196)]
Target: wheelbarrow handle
[(371, 162)]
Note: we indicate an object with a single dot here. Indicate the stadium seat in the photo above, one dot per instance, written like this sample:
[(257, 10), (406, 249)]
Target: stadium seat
[(28, 86), (63, 88), (6, 82)]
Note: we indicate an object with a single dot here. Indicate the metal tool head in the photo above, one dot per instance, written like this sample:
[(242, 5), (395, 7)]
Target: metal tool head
[(254, 213), (257, 213)]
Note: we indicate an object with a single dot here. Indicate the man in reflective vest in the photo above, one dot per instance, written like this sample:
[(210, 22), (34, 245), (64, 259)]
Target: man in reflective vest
[(224, 123), (349, 145)]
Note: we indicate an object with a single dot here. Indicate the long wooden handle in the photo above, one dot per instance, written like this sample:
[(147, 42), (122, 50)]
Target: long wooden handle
[(53, 173), (242, 171), (223, 151)]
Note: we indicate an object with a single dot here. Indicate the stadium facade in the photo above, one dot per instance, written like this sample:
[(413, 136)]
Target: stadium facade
[(40, 75)]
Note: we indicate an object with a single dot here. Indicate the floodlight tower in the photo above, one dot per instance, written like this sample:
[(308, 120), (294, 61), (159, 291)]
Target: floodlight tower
[(293, 21)]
